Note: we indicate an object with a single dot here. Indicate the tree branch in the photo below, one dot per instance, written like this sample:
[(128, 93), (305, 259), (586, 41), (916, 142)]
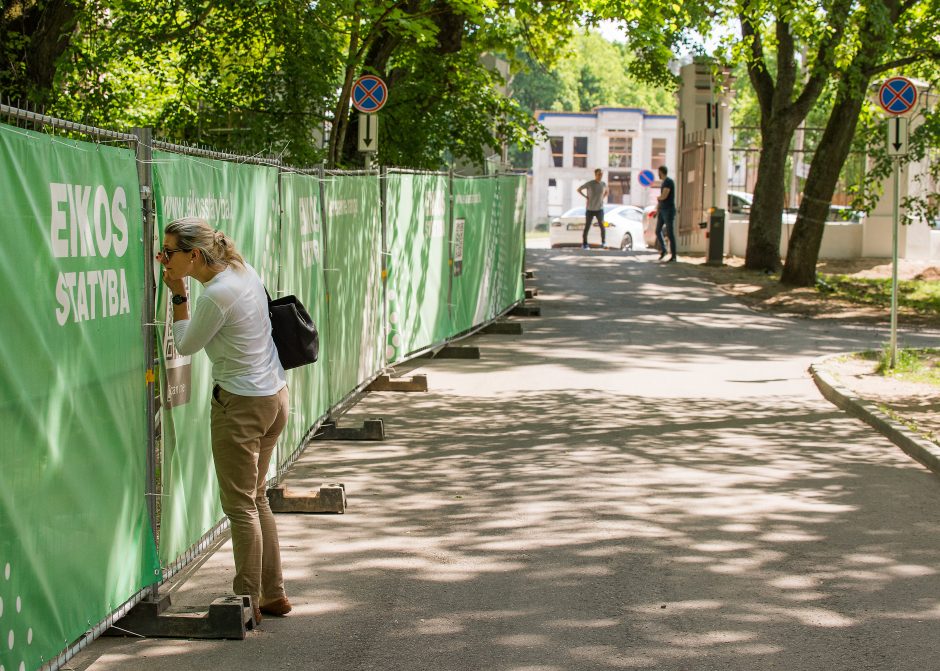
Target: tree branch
[(900, 62), (756, 66)]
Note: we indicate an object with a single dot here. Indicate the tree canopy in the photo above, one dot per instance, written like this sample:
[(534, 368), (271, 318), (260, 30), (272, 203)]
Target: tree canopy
[(275, 75)]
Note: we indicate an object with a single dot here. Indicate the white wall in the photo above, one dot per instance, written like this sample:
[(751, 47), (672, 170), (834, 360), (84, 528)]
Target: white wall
[(598, 127)]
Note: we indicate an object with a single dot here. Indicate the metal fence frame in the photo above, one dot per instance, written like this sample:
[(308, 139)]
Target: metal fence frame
[(141, 140)]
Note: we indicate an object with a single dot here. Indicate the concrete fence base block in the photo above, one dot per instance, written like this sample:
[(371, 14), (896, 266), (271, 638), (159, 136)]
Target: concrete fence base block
[(455, 352), (386, 383), (372, 429), (330, 498), (228, 617), (531, 292), (529, 274), (503, 328), (526, 311)]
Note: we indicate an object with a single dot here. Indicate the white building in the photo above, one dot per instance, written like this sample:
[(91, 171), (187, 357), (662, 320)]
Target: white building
[(621, 141)]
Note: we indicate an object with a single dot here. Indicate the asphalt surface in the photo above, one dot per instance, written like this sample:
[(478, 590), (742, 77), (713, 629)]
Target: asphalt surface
[(648, 478)]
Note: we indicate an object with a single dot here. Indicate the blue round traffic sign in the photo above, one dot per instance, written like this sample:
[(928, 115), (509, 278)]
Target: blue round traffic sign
[(369, 94), (897, 95), (647, 177)]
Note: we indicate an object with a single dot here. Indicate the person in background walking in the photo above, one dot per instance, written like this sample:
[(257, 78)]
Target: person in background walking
[(666, 214), (596, 197), (249, 400)]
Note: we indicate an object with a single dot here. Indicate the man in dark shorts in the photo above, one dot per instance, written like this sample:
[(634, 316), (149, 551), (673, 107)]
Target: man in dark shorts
[(666, 214), (596, 195)]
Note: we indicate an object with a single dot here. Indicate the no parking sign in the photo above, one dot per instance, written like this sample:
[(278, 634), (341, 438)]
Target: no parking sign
[(646, 177)]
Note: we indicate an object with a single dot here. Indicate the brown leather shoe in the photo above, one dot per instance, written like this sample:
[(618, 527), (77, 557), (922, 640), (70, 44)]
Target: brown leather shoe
[(278, 608)]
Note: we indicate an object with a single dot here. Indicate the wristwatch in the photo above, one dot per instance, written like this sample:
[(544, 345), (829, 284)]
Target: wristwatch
[(179, 299)]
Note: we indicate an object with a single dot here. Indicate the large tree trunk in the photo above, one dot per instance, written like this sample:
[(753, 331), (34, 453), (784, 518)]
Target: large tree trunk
[(48, 27), (833, 149), (763, 235)]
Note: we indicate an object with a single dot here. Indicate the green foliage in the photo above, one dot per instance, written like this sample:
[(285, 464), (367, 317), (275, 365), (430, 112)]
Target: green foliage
[(920, 295), (593, 73), (273, 76), (913, 365)]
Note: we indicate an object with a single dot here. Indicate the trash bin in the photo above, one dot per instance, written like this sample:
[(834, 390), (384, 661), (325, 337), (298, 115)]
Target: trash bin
[(716, 237)]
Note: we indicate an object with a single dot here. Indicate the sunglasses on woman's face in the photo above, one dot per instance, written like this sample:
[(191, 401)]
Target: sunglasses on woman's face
[(168, 253)]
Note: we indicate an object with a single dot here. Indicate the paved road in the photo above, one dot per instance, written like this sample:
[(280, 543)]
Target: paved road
[(647, 479)]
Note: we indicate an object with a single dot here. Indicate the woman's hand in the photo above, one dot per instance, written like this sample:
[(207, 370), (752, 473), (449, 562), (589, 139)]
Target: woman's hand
[(176, 286)]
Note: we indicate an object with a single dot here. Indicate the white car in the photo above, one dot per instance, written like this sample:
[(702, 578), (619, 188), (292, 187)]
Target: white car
[(623, 224)]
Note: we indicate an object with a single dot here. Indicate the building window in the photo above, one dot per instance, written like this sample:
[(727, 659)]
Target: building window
[(580, 152), (620, 152), (557, 144), (619, 187), (658, 156)]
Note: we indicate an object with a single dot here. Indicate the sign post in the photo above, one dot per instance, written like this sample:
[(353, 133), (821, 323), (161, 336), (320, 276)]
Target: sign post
[(369, 95), (896, 96)]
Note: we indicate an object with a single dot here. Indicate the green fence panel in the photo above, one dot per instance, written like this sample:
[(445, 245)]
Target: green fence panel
[(302, 275), (511, 241), (417, 263), (75, 539), (354, 281), (241, 200), (474, 251)]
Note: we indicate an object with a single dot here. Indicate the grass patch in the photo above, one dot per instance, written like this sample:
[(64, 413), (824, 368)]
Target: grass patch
[(919, 295), (911, 365)]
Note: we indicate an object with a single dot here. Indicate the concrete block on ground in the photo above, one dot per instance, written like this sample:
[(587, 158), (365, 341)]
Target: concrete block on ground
[(529, 274), (329, 498), (531, 292), (526, 311), (455, 352), (227, 617), (503, 328), (371, 429), (386, 383)]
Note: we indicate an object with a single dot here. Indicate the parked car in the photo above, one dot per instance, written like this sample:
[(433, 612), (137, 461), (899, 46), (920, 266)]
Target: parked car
[(624, 224), (739, 207), (649, 227), (739, 204)]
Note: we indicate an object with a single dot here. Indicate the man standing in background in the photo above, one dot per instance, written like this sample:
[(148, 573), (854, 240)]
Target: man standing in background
[(666, 214), (596, 196)]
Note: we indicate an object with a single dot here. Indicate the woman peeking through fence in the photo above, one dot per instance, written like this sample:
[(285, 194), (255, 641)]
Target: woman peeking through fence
[(249, 398)]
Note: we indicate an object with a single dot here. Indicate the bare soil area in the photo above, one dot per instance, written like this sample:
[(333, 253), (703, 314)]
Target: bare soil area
[(915, 404)]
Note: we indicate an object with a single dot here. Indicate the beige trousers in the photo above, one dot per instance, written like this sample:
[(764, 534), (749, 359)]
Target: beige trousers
[(245, 430)]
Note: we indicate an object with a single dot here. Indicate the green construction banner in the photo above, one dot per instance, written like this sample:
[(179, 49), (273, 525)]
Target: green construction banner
[(241, 200), (75, 539), (474, 245), (302, 275), (510, 244), (353, 281), (417, 263)]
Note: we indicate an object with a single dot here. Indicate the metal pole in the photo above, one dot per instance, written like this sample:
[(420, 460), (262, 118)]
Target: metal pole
[(894, 266), (145, 176)]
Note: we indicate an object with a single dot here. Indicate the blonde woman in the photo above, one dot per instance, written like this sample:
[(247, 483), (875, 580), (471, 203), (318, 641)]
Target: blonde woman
[(249, 399)]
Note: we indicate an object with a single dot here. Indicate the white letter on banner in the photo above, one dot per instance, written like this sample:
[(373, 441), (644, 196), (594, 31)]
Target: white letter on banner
[(60, 247), (102, 237), (111, 277), (81, 302), (78, 200), (93, 277), (103, 288), (119, 219), (125, 304), (61, 312)]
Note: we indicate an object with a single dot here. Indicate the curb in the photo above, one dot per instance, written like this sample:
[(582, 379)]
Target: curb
[(921, 449)]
